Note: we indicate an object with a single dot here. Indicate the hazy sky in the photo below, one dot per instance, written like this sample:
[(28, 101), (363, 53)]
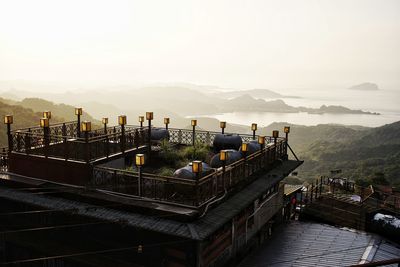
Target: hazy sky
[(241, 44)]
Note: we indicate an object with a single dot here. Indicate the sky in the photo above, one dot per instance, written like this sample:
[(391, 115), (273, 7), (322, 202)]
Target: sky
[(228, 43)]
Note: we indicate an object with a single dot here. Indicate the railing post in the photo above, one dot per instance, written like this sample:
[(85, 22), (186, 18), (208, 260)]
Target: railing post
[(9, 136), (149, 118), (78, 130), (122, 138), (194, 135), (139, 181)]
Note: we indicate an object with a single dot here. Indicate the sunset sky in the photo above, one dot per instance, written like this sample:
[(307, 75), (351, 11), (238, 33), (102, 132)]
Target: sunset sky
[(229, 43)]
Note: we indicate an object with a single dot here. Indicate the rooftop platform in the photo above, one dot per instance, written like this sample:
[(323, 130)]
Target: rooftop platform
[(72, 158)]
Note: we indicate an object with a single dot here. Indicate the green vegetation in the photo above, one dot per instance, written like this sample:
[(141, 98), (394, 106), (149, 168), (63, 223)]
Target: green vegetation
[(23, 117), (177, 157), (28, 112), (367, 155), (197, 152), (66, 112)]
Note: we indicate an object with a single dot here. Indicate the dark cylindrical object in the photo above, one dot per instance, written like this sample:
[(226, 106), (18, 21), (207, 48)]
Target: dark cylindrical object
[(186, 172), (233, 155), (226, 141)]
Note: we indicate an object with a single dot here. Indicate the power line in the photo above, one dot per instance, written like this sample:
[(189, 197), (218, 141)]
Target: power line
[(55, 227), (137, 247)]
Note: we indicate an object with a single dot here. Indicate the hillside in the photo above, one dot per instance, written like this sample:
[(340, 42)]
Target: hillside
[(28, 112), (360, 152), (66, 112), (23, 117)]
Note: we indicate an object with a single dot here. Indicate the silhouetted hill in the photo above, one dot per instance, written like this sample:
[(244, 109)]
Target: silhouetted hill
[(63, 111), (248, 103), (23, 117), (365, 87), (28, 112)]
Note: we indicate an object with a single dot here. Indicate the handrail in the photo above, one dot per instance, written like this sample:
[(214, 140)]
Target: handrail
[(194, 192)]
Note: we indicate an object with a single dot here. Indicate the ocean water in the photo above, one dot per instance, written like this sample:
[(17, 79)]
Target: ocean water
[(385, 102)]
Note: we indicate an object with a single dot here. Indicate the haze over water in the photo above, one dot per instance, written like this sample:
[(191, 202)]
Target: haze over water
[(385, 102)]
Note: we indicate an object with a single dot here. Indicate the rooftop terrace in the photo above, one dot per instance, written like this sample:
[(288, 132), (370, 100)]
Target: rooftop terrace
[(74, 153)]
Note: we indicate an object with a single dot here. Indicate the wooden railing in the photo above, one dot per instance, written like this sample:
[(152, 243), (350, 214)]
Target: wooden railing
[(189, 192)]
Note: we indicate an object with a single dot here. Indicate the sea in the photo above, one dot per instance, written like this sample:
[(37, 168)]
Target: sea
[(384, 102)]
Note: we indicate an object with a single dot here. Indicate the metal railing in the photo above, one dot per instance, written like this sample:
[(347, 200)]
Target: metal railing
[(70, 147), (188, 192), (62, 140)]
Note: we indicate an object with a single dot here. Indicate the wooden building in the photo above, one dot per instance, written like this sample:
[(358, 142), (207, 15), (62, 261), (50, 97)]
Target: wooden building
[(63, 205)]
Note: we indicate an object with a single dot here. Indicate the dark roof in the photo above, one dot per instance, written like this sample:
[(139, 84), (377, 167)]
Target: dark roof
[(315, 244), (197, 230), (291, 188)]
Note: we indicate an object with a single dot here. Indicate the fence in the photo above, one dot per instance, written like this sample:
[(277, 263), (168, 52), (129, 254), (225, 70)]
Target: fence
[(189, 192), (68, 146)]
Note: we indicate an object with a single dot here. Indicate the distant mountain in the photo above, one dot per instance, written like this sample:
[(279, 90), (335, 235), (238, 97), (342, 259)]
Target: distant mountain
[(23, 117), (256, 93), (365, 87), (248, 103), (28, 112), (65, 112)]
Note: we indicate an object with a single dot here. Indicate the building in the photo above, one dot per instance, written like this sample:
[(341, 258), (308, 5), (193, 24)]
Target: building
[(70, 200)]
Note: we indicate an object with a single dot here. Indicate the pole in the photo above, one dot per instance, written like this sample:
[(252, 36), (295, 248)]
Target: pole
[(105, 128), (122, 138), (79, 125), (223, 130), (286, 144), (275, 139), (149, 140), (254, 135), (223, 173), (194, 135), (9, 136), (140, 181)]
